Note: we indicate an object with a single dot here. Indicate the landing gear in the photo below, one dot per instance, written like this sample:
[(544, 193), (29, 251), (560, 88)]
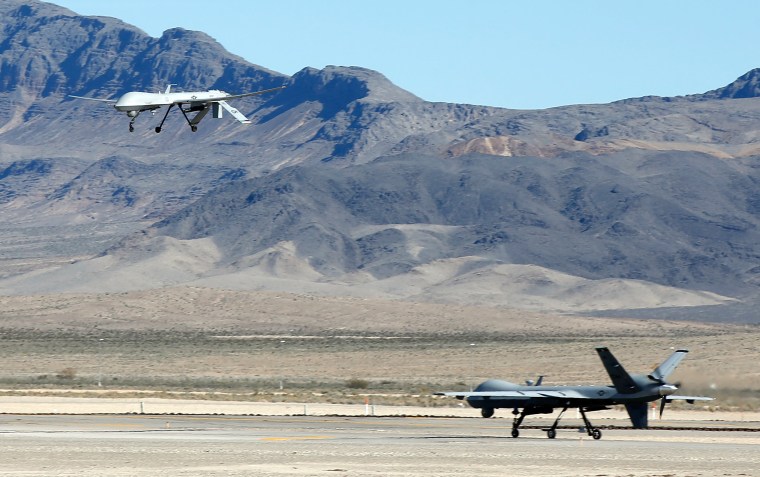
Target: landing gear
[(133, 115), (519, 417), (592, 431), (551, 432), (486, 412), (528, 411), (201, 112), (158, 128), (193, 123)]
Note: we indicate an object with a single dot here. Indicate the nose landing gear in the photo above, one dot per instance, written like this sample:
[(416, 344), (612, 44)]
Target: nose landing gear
[(133, 115)]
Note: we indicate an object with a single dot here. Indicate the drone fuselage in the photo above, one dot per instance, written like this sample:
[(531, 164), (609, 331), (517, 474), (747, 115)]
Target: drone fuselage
[(141, 101)]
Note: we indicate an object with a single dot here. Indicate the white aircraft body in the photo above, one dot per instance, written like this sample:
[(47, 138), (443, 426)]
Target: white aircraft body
[(199, 102)]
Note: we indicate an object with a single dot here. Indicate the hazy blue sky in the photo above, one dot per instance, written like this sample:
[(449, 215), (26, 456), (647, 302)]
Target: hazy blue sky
[(516, 54)]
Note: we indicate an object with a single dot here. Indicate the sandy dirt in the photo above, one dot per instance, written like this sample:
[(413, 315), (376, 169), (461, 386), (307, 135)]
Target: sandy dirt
[(269, 342), (290, 339), (276, 354)]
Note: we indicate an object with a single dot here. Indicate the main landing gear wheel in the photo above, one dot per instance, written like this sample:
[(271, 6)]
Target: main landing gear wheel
[(194, 128), (596, 434), (158, 129), (486, 412), (515, 433), (551, 433), (131, 128)]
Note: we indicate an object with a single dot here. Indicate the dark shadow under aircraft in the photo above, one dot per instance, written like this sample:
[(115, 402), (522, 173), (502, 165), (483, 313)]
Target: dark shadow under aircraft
[(633, 391)]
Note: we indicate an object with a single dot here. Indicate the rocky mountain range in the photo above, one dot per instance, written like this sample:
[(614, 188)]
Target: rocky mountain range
[(346, 184)]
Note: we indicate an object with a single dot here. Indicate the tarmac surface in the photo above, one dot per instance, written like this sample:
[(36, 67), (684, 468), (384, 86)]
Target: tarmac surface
[(169, 445)]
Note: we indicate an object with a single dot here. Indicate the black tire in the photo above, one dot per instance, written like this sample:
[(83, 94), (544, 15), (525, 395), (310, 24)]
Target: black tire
[(486, 412), (194, 128), (158, 129), (551, 433), (515, 433), (596, 434)]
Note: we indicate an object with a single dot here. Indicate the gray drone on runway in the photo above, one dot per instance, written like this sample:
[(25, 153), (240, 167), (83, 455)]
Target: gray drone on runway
[(633, 391)]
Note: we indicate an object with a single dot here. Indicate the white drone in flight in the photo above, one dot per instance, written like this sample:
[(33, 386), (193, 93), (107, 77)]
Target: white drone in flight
[(200, 102)]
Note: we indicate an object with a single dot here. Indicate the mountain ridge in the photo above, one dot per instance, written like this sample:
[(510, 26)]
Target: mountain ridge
[(346, 183)]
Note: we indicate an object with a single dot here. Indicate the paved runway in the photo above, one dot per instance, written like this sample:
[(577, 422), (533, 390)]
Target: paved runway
[(139, 445)]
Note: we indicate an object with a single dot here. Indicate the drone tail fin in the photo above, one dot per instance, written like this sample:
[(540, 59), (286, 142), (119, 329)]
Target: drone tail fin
[(623, 382), (662, 371), (638, 414)]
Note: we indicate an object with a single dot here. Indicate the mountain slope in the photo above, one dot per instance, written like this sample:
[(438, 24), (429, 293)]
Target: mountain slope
[(345, 114), (627, 224), (51, 51), (346, 183), (688, 221)]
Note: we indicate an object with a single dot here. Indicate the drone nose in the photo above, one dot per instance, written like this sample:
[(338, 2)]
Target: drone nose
[(667, 389)]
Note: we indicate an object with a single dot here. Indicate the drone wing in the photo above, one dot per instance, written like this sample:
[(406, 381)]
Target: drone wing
[(526, 394), (245, 95), (94, 99)]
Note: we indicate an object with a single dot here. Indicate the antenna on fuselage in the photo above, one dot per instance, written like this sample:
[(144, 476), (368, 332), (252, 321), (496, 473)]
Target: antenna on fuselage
[(530, 382), (169, 88)]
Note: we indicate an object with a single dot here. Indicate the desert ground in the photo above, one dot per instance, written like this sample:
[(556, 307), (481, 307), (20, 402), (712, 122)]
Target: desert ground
[(333, 375), (137, 445), (265, 346)]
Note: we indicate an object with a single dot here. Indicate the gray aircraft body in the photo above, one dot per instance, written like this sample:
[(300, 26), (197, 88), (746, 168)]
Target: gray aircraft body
[(633, 391)]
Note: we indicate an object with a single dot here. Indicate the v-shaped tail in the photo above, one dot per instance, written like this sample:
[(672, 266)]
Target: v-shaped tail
[(661, 373), (622, 381)]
